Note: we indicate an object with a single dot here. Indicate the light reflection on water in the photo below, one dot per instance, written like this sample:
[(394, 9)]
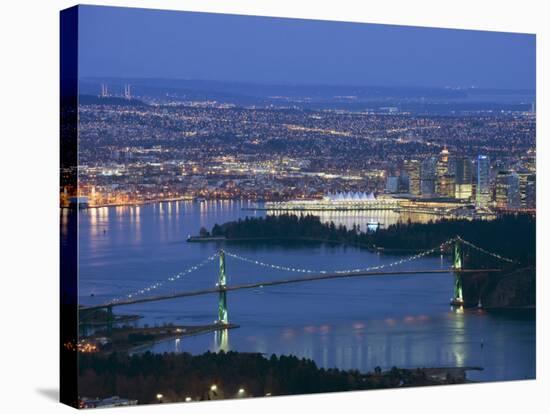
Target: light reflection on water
[(365, 219), (357, 323)]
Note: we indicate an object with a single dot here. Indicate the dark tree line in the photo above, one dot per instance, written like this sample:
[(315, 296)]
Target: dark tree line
[(178, 376), (512, 236)]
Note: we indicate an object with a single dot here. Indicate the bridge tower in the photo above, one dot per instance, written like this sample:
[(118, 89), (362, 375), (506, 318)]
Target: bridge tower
[(458, 298), (222, 296)]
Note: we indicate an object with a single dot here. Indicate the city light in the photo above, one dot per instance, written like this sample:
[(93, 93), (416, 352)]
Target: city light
[(354, 197), (184, 170)]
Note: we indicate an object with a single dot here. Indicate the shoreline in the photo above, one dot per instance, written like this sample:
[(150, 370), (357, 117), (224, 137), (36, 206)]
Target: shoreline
[(128, 341), (224, 239), (133, 204)]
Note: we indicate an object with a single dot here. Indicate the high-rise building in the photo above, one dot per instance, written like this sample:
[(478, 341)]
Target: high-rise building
[(514, 196), (483, 183), (507, 190), (531, 192), (428, 176), (447, 185), (403, 184), (445, 179), (530, 160), (463, 178), (392, 184), (443, 162), (523, 176), (412, 171)]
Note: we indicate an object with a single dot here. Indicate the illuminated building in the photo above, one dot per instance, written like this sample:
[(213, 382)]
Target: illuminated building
[(392, 184), (412, 171), (523, 176), (530, 160), (463, 178), (445, 180), (428, 176), (446, 185), (507, 190), (483, 184), (531, 192), (348, 201)]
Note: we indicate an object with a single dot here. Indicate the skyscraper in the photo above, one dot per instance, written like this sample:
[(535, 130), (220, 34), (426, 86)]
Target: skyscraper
[(445, 179), (463, 178), (530, 160), (523, 175), (531, 192), (514, 195), (428, 176), (412, 170), (392, 184), (507, 190), (483, 184)]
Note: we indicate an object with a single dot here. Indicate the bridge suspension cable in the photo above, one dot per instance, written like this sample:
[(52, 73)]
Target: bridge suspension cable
[(173, 278), (210, 258), (356, 270), (495, 255)]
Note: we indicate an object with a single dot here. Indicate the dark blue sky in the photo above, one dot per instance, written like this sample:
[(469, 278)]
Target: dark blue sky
[(131, 43)]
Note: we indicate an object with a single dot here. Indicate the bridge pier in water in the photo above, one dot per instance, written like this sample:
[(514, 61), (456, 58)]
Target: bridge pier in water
[(222, 295), (458, 298)]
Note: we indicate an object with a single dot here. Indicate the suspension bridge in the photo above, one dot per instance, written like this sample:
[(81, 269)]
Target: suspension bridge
[(221, 288)]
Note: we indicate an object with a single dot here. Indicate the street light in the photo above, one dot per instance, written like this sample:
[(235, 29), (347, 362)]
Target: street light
[(241, 391), (159, 397), (187, 399), (213, 387)]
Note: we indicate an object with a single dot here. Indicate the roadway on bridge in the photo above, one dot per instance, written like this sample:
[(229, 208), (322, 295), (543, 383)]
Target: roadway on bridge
[(281, 282)]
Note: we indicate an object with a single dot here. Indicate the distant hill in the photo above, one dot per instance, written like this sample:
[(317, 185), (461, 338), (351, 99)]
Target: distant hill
[(318, 97), (111, 100), (235, 90)]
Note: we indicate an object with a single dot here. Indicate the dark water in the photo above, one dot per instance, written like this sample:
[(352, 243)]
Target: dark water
[(402, 321)]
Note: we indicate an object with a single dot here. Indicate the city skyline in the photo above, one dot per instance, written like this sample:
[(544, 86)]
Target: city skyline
[(311, 231)]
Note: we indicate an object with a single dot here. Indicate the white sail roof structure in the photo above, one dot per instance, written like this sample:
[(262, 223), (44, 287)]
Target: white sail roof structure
[(349, 197)]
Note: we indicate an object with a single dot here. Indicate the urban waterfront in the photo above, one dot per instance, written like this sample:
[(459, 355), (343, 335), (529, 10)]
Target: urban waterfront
[(351, 207), (403, 321)]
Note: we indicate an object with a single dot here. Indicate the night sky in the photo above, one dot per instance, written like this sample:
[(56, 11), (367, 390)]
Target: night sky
[(138, 43)]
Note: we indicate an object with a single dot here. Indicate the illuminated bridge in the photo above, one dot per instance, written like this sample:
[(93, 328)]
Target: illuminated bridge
[(221, 288)]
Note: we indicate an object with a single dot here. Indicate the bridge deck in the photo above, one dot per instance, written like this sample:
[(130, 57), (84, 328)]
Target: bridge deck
[(324, 276)]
